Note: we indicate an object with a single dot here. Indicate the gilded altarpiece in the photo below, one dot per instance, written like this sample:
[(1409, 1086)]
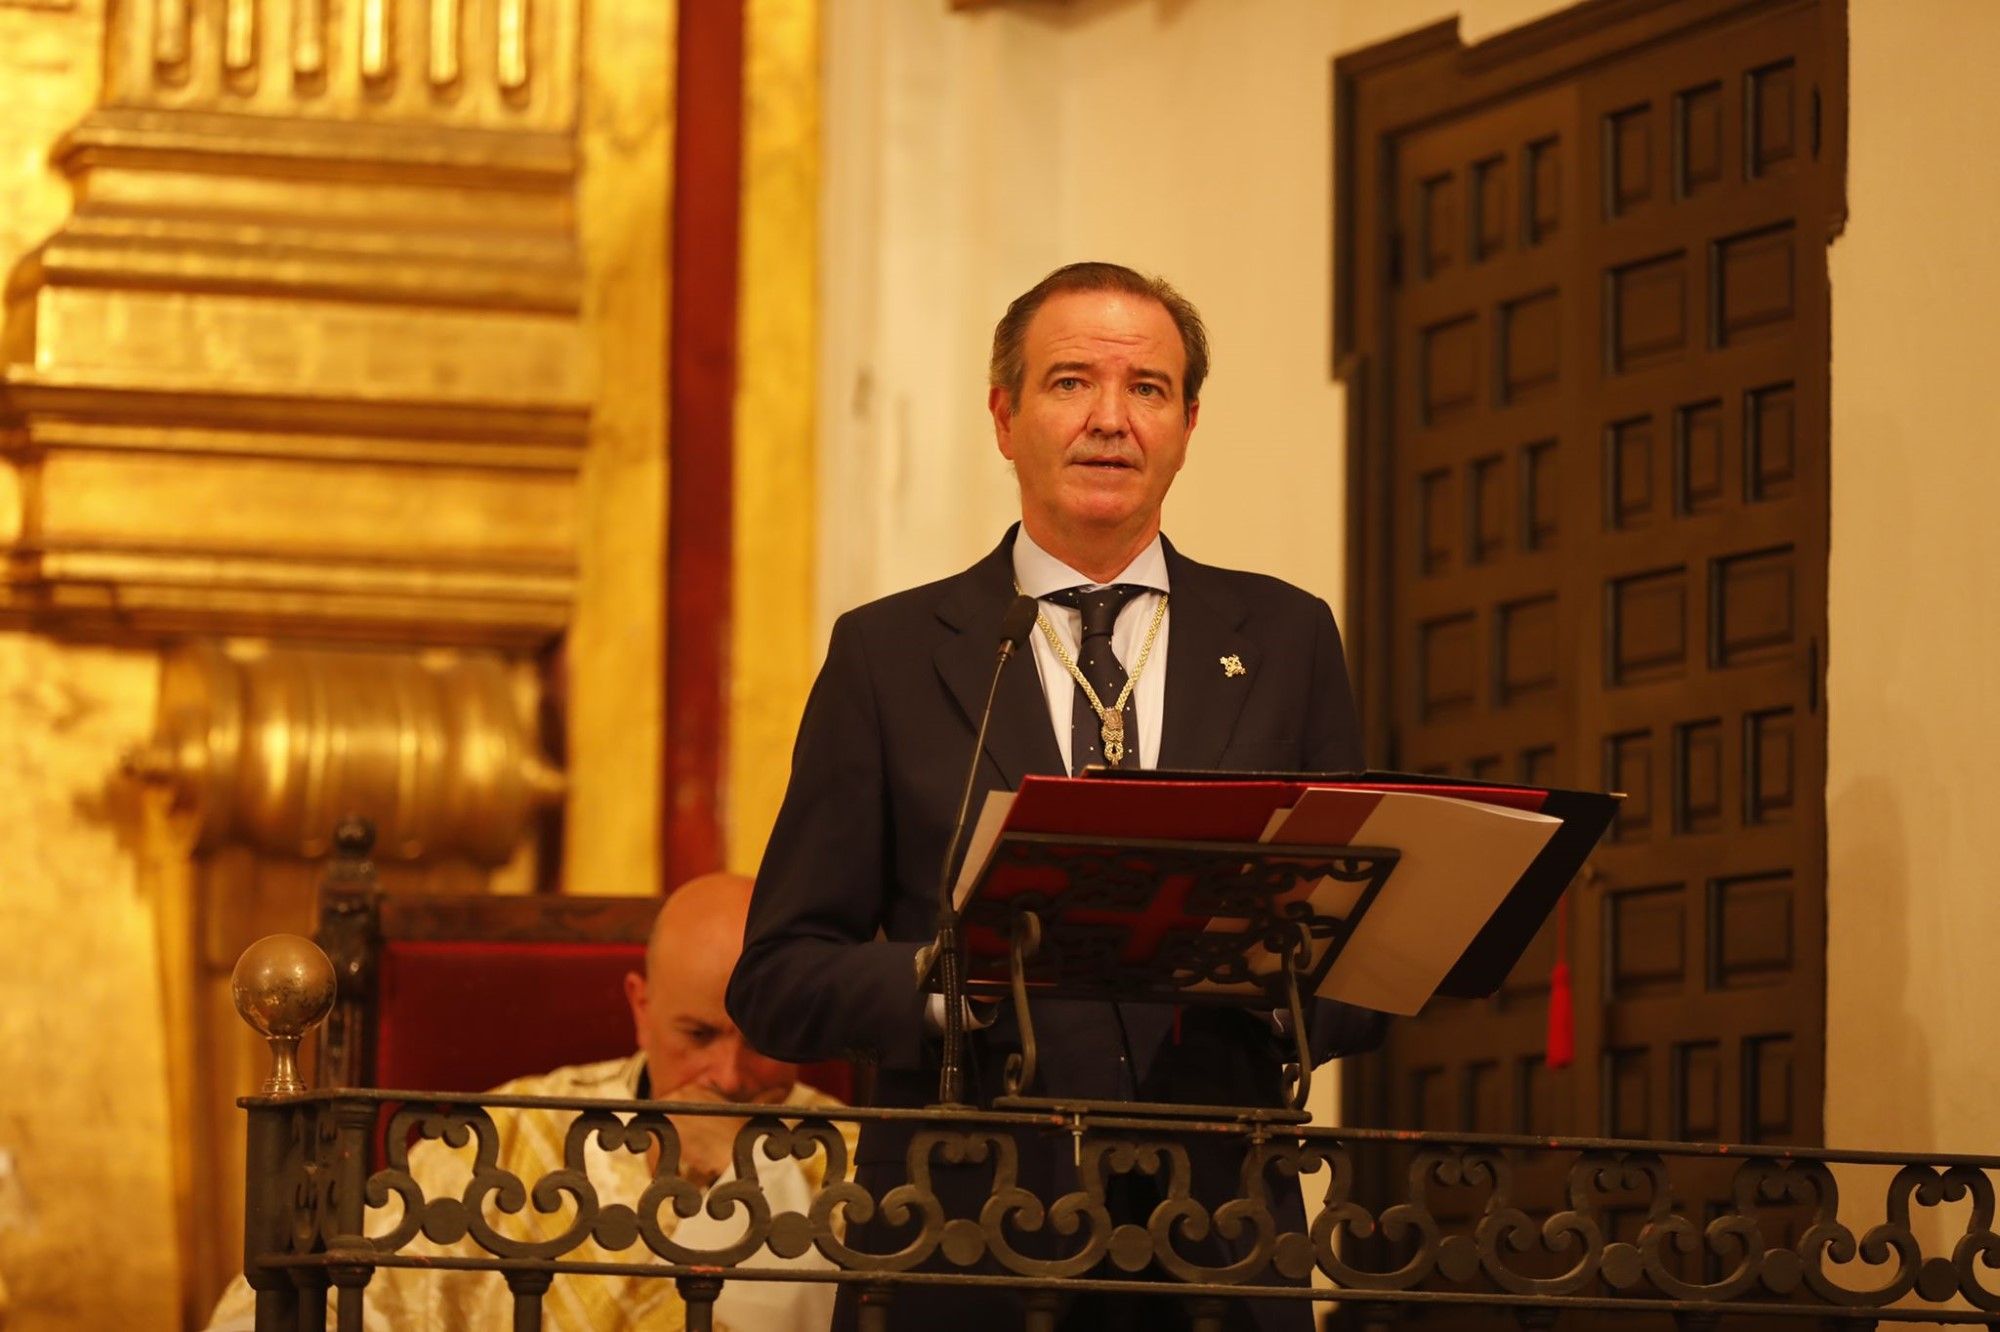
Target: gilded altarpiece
[(300, 328)]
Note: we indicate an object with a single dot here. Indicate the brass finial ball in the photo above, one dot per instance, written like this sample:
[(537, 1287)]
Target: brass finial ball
[(283, 986)]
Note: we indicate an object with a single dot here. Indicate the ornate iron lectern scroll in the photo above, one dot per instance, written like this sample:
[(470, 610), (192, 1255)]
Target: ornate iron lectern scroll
[(1064, 916)]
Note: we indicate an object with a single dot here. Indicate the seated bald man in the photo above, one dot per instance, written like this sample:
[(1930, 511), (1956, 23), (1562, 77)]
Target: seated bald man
[(689, 1050)]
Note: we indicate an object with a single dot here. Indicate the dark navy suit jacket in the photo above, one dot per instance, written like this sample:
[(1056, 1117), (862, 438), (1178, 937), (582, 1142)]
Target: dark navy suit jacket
[(847, 892)]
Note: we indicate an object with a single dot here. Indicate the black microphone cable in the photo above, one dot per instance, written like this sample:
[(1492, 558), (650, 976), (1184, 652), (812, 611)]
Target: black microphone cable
[(1015, 626)]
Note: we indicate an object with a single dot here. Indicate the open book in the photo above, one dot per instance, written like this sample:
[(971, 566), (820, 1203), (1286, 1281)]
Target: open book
[(1443, 884)]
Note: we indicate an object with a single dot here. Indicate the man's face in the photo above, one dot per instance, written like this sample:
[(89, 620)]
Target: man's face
[(693, 1051), (1101, 427)]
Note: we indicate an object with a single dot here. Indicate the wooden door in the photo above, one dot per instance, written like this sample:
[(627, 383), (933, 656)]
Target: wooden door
[(1583, 317)]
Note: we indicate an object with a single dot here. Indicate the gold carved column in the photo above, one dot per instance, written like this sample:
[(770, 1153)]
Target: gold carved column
[(773, 651), (301, 499), (307, 354), (257, 753)]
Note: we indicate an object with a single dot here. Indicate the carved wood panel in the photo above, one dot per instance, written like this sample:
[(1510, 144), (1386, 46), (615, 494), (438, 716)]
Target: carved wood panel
[(1584, 313), (1485, 316)]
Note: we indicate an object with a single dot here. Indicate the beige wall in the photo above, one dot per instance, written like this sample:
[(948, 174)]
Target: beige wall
[(1914, 651), (968, 154)]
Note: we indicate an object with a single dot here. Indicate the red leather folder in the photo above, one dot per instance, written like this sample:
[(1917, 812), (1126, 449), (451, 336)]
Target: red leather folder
[(1075, 821)]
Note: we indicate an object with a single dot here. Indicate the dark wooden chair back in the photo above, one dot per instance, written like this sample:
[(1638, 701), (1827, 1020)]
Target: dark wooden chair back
[(460, 993)]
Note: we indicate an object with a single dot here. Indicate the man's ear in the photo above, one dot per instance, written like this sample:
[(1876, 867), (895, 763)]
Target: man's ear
[(1193, 415), (635, 998), (1000, 403)]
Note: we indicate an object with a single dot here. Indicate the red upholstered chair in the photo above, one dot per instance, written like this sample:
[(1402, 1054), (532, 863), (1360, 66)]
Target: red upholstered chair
[(459, 993)]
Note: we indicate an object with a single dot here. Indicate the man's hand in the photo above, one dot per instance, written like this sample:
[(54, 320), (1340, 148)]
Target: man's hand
[(708, 1142), (979, 1014), (708, 1145)]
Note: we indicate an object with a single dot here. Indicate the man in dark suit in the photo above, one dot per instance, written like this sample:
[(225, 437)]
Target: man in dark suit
[(1141, 658)]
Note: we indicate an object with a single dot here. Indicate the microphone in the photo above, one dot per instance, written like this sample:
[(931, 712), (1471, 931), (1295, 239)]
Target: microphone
[(1017, 623), (1015, 626)]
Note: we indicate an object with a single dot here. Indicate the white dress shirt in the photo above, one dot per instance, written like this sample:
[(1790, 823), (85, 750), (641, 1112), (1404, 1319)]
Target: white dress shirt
[(1038, 573)]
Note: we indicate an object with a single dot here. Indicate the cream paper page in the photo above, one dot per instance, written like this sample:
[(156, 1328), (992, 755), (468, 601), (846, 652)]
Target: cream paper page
[(1458, 860), (979, 847)]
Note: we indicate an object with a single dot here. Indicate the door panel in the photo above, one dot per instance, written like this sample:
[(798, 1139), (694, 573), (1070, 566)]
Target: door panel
[(1584, 312)]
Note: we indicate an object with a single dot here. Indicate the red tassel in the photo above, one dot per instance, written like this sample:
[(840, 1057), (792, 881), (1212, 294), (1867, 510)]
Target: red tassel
[(1562, 1004)]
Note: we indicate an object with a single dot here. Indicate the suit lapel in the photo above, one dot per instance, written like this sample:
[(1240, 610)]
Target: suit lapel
[(1203, 697), (1020, 740)]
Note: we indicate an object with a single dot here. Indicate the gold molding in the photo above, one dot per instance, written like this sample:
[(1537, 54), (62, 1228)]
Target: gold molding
[(615, 661), (307, 354), (496, 63), (271, 748), (256, 753), (772, 652), (298, 377), (139, 513)]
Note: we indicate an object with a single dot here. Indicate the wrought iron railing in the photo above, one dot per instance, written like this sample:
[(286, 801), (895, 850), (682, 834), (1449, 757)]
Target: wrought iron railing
[(1459, 1231), (1449, 1222)]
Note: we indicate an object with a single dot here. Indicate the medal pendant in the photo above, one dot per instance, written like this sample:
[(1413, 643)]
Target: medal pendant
[(1112, 730)]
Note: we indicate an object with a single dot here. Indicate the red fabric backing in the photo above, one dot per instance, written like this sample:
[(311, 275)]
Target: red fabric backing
[(701, 402), (464, 1016)]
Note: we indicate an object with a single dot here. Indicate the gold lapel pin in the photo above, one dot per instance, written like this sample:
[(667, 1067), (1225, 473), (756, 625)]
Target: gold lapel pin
[(1232, 665)]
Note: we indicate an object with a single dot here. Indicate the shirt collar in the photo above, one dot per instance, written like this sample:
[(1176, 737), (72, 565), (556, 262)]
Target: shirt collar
[(1038, 573)]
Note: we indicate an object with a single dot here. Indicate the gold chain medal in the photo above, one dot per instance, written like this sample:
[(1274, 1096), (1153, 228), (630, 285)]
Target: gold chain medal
[(1111, 729), (1111, 720)]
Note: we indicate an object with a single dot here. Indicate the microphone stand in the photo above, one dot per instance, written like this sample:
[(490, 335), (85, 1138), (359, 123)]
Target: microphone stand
[(948, 951)]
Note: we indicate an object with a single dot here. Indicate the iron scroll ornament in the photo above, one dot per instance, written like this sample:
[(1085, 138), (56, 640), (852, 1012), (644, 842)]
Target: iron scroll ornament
[(334, 1223), (1227, 913)]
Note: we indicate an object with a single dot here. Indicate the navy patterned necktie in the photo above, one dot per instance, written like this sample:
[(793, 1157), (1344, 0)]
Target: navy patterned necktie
[(1100, 665)]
